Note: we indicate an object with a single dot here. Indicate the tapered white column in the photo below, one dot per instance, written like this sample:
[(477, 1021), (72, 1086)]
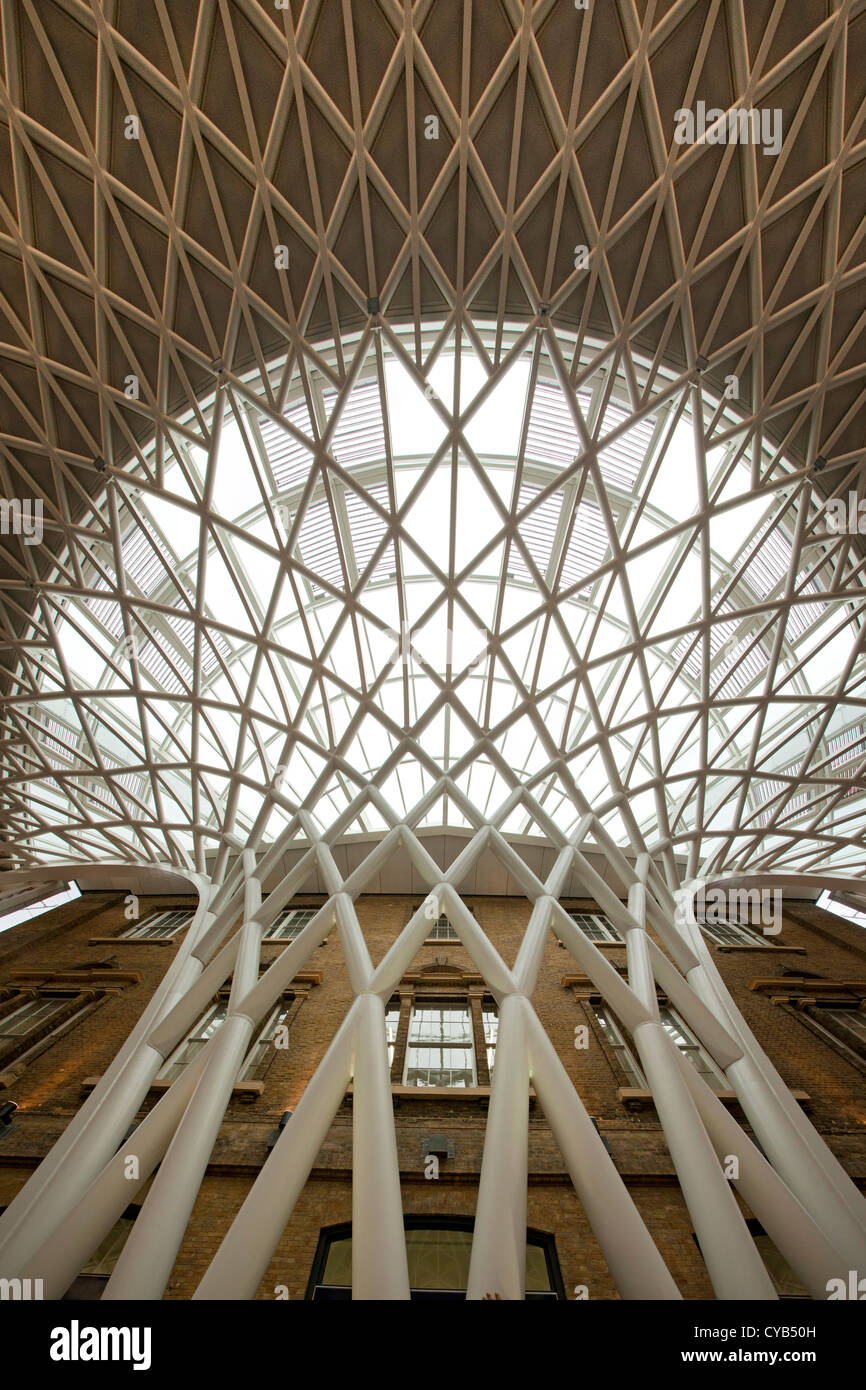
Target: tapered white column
[(146, 1261), (92, 1136), (787, 1223), (82, 1231), (733, 1263), (379, 1265), (498, 1262), (637, 1268), (238, 1267)]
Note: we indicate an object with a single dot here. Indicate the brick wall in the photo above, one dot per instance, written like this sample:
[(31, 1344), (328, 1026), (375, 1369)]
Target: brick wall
[(50, 1089)]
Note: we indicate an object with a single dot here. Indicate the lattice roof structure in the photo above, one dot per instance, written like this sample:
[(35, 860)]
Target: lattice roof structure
[(424, 437), (245, 467)]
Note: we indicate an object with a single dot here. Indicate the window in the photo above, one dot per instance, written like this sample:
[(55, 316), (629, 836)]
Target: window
[(440, 1050), (442, 930), (204, 1031), (91, 1282), (438, 1251), (732, 934), (596, 926), (29, 1027), (621, 1050), (14, 915), (842, 909), (490, 1020), (290, 923), (392, 1020), (850, 1021), (28, 1018), (259, 1051), (676, 1029), (158, 925), (194, 1042), (845, 1025), (692, 1050)]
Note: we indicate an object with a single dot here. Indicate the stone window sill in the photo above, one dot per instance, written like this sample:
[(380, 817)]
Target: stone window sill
[(635, 1098), (246, 1090), (789, 950), (132, 941)]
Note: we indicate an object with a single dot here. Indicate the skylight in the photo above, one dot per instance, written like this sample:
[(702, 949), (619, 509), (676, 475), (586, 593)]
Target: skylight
[(530, 576)]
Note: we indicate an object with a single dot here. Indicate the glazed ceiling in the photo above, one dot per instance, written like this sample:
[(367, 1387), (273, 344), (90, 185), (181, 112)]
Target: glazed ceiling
[(430, 421)]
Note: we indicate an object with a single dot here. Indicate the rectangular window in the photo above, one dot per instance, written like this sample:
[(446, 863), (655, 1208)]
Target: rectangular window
[(676, 1029), (490, 1019), (621, 1050), (392, 1021), (265, 1041), (731, 934), (30, 1017), (692, 1050), (157, 925), (290, 923), (845, 1025), (440, 1050), (194, 1042), (204, 1031), (596, 926), (442, 930), (851, 1020)]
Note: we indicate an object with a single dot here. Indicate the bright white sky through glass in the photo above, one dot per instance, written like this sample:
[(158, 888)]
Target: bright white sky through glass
[(650, 495)]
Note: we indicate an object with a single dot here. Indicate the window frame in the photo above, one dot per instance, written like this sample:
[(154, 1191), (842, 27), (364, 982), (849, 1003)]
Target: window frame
[(135, 931), (613, 1035), (438, 1004), (609, 934), (256, 1052), (740, 935), (294, 930), (435, 927), (545, 1240), (17, 1051)]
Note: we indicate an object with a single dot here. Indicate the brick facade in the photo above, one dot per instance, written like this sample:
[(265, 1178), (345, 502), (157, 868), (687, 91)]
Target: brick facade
[(66, 944)]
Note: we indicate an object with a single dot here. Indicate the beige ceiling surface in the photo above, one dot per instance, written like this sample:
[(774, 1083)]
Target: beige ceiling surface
[(306, 127)]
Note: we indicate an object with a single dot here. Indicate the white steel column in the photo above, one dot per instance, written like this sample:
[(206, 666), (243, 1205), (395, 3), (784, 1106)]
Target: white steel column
[(92, 1136), (239, 1265), (379, 1264), (732, 1260), (498, 1262), (145, 1263), (637, 1267)]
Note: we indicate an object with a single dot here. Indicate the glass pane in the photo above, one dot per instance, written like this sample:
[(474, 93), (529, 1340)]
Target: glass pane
[(442, 930), (853, 1022), (291, 922), (596, 926), (441, 1025), (392, 1020), (490, 1019), (193, 1044), (30, 1016), (614, 1037), (438, 1259), (692, 1050), (338, 1266), (260, 1048), (103, 1260), (439, 1066)]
